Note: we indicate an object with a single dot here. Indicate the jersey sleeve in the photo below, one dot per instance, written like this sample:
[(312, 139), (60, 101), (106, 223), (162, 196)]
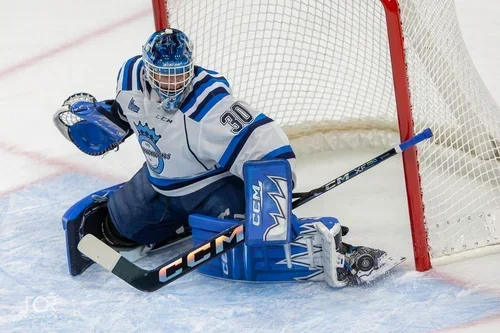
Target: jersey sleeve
[(129, 86), (233, 133)]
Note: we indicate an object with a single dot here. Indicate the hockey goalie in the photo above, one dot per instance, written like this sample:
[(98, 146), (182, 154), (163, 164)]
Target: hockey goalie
[(211, 161)]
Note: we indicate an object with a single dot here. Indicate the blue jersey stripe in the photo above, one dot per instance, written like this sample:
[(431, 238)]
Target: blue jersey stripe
[(198, 89), (197, 70), (237, 143), (171, 184), (125, 76), (208, 103), (128, 73), (139, 70), (211, 72), (119, 72), (190, 98), (284, 152), (285, 155)]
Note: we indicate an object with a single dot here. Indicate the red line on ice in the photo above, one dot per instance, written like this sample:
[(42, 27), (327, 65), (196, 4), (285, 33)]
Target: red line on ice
[(56, 162), (493, 319), (73, 43), (22, 186), (39, 158)]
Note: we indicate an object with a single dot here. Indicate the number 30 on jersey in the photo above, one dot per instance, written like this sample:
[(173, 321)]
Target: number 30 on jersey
[(236, 117)]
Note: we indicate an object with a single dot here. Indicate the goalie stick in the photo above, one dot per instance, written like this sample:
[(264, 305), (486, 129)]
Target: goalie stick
[(308, 196), (154, 279)]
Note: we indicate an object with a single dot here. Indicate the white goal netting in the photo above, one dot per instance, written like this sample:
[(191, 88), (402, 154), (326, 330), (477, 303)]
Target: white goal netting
[(323, 70)]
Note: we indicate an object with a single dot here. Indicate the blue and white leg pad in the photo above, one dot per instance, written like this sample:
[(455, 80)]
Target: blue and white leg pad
[(268, 192), (324, 233), (278, 246), (312, 253), (268, 195)]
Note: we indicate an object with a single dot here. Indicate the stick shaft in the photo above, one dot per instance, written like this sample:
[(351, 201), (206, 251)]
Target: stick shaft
[(362, 168)]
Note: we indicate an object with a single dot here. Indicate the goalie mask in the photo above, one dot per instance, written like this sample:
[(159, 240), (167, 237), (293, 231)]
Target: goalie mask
[(168, 60)]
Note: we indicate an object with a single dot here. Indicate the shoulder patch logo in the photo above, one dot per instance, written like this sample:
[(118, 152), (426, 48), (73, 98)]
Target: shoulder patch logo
[(132, 106), (147, 140)]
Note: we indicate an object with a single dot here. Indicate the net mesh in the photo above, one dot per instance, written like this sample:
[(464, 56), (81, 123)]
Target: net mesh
[(322, 69), (460, 169)]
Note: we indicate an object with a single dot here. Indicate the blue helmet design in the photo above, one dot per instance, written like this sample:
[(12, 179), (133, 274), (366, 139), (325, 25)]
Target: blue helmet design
[(168, 61)]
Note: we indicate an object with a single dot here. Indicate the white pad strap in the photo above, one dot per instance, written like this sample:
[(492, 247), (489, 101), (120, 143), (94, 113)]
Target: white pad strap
[(331, 258)]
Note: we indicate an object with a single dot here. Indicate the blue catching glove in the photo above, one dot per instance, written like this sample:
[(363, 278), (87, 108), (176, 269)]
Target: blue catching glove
[(91, 139), (89, 125)]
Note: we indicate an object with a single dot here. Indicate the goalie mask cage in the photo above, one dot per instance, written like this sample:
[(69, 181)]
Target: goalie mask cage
[(367, 73)]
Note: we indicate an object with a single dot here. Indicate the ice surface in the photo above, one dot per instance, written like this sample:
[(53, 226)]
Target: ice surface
[(37, 292), (41, 175)]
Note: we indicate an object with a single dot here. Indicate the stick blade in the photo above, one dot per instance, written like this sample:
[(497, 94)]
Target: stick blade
[(99, 252)]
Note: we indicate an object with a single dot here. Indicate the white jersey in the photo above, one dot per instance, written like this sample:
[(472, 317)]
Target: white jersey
[(210, 137)]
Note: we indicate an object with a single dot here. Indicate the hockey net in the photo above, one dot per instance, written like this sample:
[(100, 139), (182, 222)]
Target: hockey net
[(359, 73)]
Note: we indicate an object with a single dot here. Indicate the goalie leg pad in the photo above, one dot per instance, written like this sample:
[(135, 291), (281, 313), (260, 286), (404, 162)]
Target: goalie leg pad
[(90, 207), (268, 193), (231, 264), (312, 252), (91, 215), (322, 237), (333, 259), (255, 263)]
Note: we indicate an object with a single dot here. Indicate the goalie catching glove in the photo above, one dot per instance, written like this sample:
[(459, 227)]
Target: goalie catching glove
[(91, 125)]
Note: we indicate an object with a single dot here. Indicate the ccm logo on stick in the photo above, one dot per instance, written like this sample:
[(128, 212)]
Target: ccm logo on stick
[(201, 254)]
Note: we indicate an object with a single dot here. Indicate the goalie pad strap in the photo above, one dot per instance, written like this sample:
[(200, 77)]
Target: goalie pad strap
[(332, 259)]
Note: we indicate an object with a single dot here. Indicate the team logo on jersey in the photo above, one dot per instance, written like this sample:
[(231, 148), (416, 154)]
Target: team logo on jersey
[(132, 106), (148, 139)]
